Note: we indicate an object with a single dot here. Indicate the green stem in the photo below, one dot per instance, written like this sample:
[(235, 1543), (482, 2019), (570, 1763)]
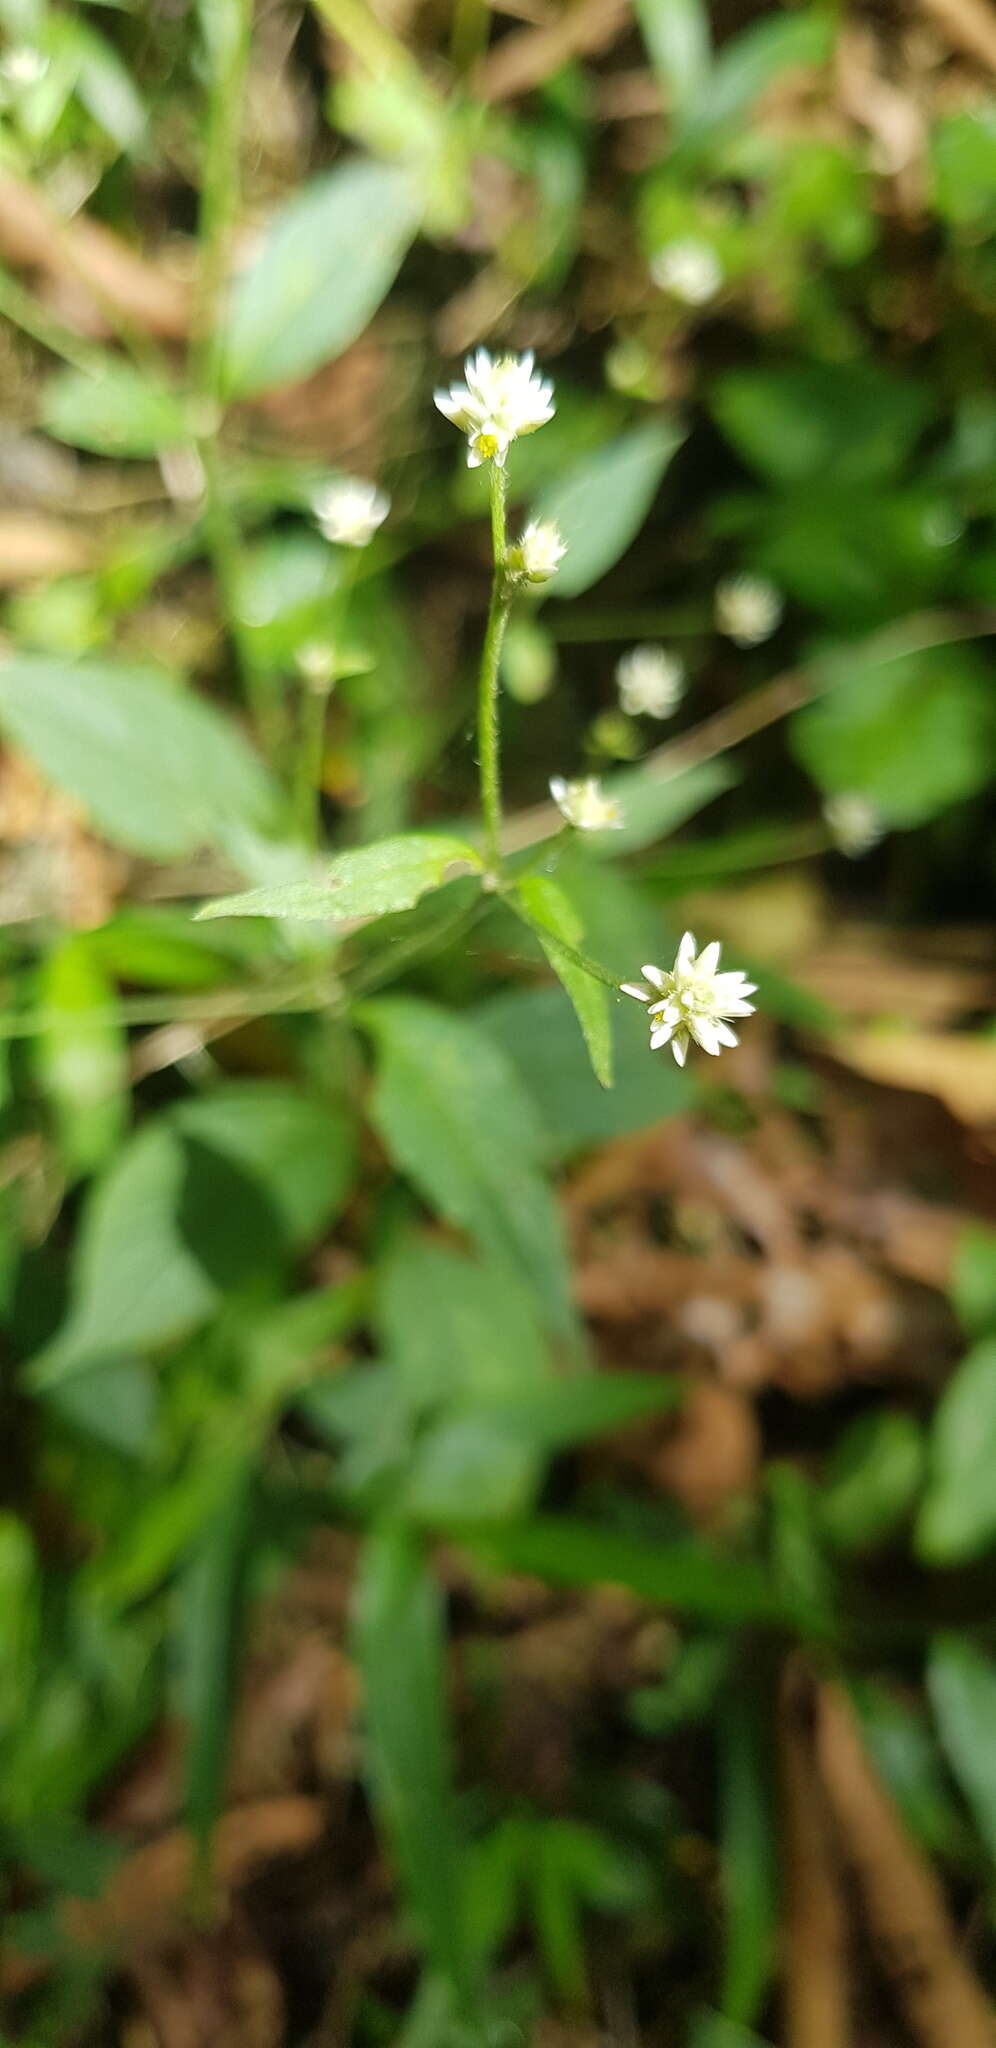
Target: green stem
[(308, 766), (227, 34), (559, 945), (488, 723)]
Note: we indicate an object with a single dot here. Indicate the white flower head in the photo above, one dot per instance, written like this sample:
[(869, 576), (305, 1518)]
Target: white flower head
[(693, 1001), (23, 66), (585, 805), (748, 609), (538, 554), (855, 823), (500, 398), (689, 269), (350, 511), (651, 682)]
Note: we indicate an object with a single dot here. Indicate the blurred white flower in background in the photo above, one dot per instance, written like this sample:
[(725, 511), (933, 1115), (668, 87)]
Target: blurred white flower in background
[(748, 609), (500, 398), (854, 822), (689, 269), (539, 552), (651, 682), (23, 66), (316, 665), (692, 1000), (350, 511), (585, 805)]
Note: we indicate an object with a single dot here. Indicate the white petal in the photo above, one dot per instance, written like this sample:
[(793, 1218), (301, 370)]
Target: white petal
[(679, 1047), (725, 1035), (632, 988), (654, 974), (686, 951), (662, 1037), (474, 460), (734, 1009), (733, 983), (704, 1034), (558, 788), (708, 959), (665, 1012)]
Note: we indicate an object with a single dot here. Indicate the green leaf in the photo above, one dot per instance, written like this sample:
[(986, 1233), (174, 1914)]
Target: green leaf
[(961, 1682), (654, 805), (328, 258), (81, 1054), (903, 1750), (914, 734), (535, 1030), (688, 1576), (973, 1282), (210, 1605), (547, 905), (601, 504), (195, 1205), (400, 1648), (487, 1463), (458, 1330), (679, 45), (747, 1853), (118, 410), (710, 2030), (841, 423), (159, 771), (371, 882), (963, 162), (452, 1113), (958, 1516), (745, 67), (872, 1479)]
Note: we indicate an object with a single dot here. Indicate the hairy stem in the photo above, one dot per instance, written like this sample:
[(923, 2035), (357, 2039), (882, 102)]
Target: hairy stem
[(488, 723)]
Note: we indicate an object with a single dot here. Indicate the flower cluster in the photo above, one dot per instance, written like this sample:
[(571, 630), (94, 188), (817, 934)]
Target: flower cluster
[(748, 609), (585, 805), (538, 554), (500, 398), (350, 511), (692, 1000), (689, 269), (855, 823), (650, 681)]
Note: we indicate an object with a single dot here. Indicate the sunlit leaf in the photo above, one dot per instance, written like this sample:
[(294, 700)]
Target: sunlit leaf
[(371, 882), (327, 259), (549, 907), (961, 1682), (601, 504), (958, 1516)]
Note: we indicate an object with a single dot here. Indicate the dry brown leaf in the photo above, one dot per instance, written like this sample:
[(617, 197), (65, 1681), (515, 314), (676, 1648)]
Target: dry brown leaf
[(959, 1068), (33, 549), (969, 24), (526, 58), (85, 253)]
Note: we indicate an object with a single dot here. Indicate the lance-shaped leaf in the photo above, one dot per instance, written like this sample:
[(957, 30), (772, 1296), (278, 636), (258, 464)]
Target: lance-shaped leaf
[(371, 882), (554, 918)]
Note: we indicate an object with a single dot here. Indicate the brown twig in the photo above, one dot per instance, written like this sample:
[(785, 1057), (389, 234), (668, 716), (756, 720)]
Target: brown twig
[(816, 1977), (134, 291), (942, 2001)]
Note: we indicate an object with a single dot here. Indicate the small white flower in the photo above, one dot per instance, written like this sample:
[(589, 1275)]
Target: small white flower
[(539, 552), (693, 1001), (748, 609), (23, 66), (350, 511), (500, 398), (855, 823), (689, 269), (585, 805), (316, 665), (651, 682)]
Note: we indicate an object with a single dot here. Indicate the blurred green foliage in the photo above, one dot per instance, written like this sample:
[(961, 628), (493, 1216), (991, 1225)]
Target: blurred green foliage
[(280, 1244)]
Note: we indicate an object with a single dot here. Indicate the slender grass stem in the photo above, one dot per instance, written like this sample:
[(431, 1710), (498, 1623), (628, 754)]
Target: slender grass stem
[(488, 723)]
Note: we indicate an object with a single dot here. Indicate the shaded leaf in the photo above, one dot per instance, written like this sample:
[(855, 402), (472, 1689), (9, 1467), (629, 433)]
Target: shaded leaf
[(842, 422), (371, 882), (914, 734), (958, 1516), (748, 1855), (684, 1575), (451, 1111), (961, 1682), (81, 1054), (400, 1647)]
